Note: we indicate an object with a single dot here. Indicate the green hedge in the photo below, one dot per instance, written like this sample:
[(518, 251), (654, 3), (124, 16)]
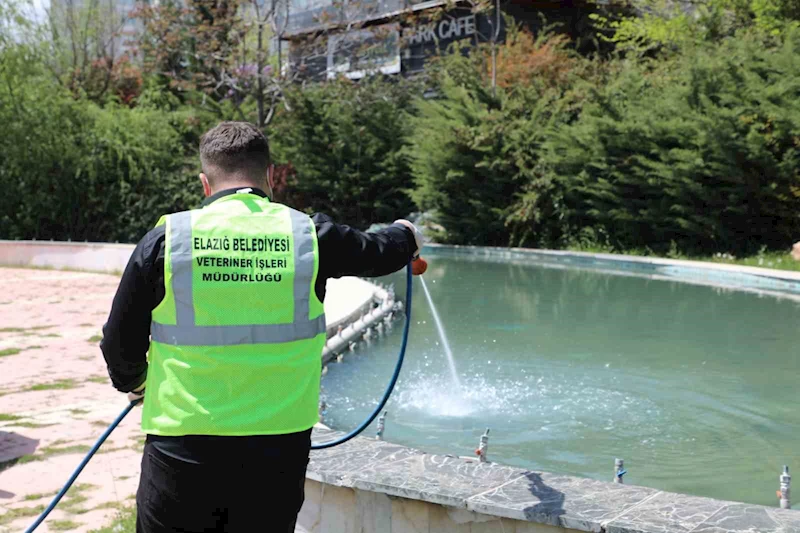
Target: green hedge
[(699, 153), (702, 154), (344, 142), (73, 170)]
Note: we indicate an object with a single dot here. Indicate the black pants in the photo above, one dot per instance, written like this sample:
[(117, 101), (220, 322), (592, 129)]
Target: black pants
[(244, 494)]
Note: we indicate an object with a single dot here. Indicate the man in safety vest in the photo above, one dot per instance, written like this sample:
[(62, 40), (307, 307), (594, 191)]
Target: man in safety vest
[(219, 314)]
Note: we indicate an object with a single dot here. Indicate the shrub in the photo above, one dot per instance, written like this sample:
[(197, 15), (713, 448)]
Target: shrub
[(705, 152), (344, 142)]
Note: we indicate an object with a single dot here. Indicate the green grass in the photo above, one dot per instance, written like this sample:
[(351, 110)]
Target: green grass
[(50, 335), (21, 512), (74, 505), (79, 411), (15, 351), (81, 487), (20, 330), (106, 449), (32, 425), (139, 444), (39, 496), (95, 338), (764, 259), (49, 451), (108, 505), (63, 525), (14, 418), (85, 325), (98, 379), (776, 261), (100, 423), (75, 497), (75, 448), (60, 384), (125, 522)]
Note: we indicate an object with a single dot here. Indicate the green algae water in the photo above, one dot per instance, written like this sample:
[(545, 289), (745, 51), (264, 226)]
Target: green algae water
[(695, 387)]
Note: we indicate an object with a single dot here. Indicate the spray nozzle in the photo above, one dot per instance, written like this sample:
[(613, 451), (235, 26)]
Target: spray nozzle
[(419, 266)]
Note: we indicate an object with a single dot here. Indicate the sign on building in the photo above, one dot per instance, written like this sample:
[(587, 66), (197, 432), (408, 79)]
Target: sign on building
[(443, 30), (361, 52)]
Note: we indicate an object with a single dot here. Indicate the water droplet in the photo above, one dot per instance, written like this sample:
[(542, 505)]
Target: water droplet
[(495, 340), (608, 365)]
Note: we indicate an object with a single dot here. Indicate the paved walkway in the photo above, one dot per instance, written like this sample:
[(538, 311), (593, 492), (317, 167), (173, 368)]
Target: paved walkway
[(56, 397)]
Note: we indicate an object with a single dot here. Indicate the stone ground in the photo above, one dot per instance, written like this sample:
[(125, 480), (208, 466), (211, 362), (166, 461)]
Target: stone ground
[(56, 398)]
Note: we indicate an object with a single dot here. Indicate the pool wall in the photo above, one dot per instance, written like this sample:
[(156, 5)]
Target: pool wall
[(368, 485), (781, 283)]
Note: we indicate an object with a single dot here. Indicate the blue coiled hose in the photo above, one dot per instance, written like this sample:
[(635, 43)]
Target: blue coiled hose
[(392, 382)]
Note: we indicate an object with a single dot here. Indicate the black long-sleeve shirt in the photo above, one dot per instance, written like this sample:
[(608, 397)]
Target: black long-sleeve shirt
[(343, 251)]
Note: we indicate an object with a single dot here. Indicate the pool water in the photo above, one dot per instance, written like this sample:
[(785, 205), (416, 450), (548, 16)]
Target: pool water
[(694, 387)]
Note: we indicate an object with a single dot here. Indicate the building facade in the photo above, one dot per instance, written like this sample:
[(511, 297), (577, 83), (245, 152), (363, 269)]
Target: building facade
[(326, 40)]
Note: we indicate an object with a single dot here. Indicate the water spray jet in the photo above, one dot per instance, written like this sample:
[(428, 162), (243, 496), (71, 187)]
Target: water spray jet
[(442, 335)]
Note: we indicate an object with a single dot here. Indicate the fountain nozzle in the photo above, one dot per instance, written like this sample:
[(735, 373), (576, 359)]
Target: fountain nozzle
[(483, 447)]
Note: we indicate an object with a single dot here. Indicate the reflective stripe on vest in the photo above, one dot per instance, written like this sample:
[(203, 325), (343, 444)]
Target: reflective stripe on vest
[(186, 333)]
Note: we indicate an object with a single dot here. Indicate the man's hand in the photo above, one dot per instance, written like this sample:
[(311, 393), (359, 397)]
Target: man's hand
[(417, 235), (136, 394)]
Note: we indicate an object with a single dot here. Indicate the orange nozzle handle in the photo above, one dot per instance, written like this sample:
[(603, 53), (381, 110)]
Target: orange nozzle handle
[(419, 266)]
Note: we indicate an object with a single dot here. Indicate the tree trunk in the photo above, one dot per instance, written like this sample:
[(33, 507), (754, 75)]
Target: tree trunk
[(495, 36), (260, 75)]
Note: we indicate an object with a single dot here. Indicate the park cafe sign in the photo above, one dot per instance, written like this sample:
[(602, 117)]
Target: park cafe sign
[(443, 30)]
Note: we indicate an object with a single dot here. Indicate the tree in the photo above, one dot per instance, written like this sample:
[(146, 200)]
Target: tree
[(232, 50), (84, 39), (645, 27), (193, 47), (700, 154)]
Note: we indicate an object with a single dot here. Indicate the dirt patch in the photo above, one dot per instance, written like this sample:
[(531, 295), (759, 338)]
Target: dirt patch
[(56, 400)]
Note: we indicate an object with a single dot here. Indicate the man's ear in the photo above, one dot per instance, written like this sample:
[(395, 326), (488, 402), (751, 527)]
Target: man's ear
[(270, 179), (206, 185)]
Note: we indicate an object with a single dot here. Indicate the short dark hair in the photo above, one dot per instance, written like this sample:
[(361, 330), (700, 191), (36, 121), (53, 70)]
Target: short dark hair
[(234, 149)]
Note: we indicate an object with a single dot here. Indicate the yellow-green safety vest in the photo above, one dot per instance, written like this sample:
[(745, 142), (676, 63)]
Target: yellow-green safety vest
[(236, 342)]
